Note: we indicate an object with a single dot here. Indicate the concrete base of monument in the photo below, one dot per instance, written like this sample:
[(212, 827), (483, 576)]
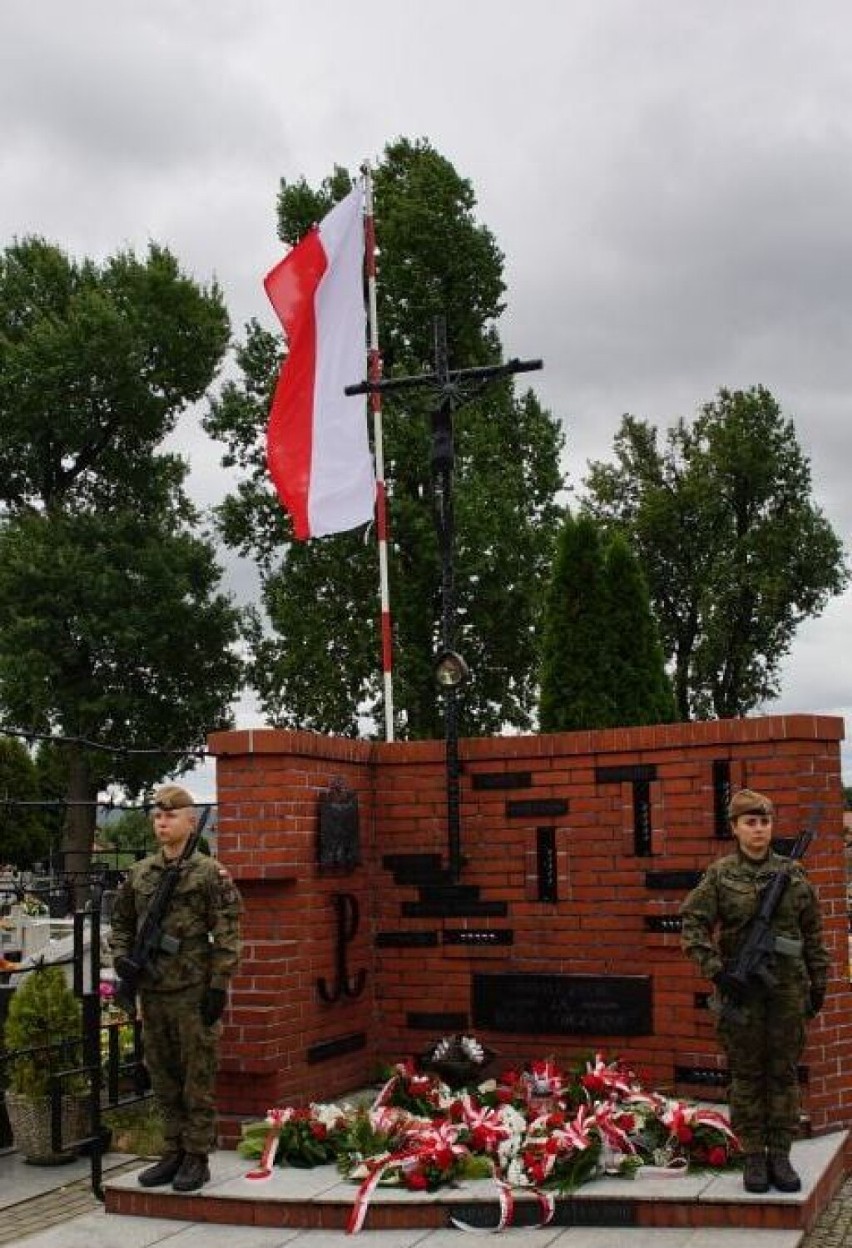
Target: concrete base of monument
[(320, 1198)]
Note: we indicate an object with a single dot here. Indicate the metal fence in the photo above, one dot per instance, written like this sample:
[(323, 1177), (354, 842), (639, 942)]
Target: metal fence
[(108, 1054)]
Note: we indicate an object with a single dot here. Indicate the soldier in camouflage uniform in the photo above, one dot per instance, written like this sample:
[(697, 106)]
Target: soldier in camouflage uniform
[(183, 1001), (763, 1031)]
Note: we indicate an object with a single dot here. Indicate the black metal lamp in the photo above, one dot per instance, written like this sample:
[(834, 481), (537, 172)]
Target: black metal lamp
[(451, 671)]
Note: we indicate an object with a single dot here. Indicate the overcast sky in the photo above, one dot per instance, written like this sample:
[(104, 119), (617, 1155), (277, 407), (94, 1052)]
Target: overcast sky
[(670, 182)]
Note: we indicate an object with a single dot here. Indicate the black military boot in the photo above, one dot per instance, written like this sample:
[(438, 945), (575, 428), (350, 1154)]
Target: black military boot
[(782, 1176), (194, 1173), (162, 1171), (755, 1173)]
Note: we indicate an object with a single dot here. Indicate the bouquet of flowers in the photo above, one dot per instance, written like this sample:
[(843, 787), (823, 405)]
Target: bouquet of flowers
[(32, 907), (307, 1136), (690, 1135)]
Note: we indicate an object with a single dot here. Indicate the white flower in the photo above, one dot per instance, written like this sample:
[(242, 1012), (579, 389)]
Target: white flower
[(516, 1176), (472, 1049), (328, 1114)]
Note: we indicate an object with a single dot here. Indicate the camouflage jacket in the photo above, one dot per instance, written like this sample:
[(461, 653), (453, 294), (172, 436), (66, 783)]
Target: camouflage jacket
[(204, 916), (717, 912)]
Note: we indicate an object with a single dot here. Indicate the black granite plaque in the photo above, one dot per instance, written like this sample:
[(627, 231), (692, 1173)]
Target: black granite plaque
[(571, 1212), (626, 774), (436, 1022), (568, 1005), (454, 908), (677, 880), (406, 940), (449, 892), (336, 1048), (721, 797), (522, 807), (545, 853), (479, 938), (419, 862), (704, 1076), (501, 780), (485, 1215), (642, 831), (663, 923), (338, 844)]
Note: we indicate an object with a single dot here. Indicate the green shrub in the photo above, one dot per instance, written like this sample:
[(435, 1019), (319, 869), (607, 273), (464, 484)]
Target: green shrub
[(45, 1017)]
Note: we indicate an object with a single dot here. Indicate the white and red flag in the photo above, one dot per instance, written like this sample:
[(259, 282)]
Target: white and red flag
[(317, 447)]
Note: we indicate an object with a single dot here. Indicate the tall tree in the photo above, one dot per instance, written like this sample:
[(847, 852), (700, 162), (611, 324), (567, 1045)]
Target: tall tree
[(602, 662), (736, 551), (112, 629), (315, 661), (641, 689), (576, 662)]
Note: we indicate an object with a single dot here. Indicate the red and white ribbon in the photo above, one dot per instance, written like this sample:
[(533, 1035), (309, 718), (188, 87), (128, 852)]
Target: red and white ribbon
[(276, 1119)]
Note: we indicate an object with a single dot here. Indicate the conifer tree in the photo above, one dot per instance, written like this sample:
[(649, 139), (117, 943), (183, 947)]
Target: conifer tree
[(576, 679), (641, 689), (602, 662)]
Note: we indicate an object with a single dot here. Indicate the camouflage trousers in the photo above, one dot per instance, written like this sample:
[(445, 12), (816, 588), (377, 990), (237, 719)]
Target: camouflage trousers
[(763, 1053), (182, 1058)]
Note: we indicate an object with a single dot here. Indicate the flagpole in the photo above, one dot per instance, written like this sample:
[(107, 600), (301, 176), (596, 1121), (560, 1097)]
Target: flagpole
[(374, 373)]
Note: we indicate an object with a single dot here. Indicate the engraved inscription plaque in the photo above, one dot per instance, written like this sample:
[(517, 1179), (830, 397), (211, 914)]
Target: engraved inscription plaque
[(567, 1005)]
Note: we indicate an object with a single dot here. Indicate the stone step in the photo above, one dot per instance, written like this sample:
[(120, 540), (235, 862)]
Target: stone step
[(320, 1198)]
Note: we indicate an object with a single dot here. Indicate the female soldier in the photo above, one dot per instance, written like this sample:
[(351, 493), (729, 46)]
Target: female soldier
[(761, 1029)]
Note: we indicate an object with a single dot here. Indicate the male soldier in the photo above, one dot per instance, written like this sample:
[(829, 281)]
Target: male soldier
[(183, 995), (763, 1030)]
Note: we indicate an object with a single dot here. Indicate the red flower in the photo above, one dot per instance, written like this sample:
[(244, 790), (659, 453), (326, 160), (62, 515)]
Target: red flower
[(537, 1171), (717, 1156), (416, 1181), (318, 1130), (683, 1133), (480, 1140)]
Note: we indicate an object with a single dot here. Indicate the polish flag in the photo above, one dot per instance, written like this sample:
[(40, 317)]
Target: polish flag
[(317, 448)]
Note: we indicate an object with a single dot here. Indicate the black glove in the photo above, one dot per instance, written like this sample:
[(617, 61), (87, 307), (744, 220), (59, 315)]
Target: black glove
[(125, 969), (816, 1002), (732, 988), (141, 1079), (213, 1005), (125, 984)]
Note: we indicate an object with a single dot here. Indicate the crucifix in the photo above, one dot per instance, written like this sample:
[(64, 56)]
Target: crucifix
[(453, 388)]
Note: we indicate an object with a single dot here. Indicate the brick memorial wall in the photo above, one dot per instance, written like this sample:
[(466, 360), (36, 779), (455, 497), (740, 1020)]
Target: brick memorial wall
[(561, 936)]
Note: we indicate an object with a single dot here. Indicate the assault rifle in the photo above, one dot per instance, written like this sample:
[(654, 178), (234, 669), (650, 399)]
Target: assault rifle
[(151, 940), (750, 967)]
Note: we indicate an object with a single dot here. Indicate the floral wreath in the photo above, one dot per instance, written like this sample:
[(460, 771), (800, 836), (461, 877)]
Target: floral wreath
[(539, 1129)]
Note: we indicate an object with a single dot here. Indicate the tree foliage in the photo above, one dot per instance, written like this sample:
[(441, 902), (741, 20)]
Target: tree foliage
[(602, 662), (23, 836), (315, 662), (128, 835), (641, 689), (735, 550), (112, 628)]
